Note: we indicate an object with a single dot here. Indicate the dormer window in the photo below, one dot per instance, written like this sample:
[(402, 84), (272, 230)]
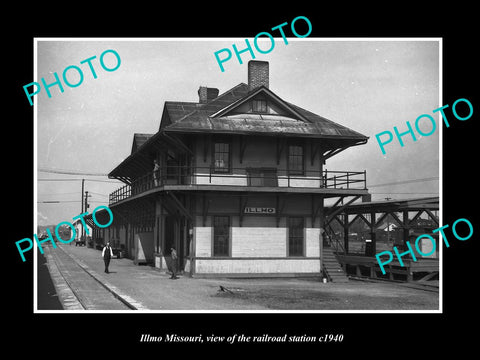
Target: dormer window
[(259, 106)]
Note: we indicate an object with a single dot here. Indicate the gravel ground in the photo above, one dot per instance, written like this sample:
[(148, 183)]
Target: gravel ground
[(309, 295)]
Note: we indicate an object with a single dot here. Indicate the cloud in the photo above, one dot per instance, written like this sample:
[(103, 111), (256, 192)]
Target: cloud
[(42, 219)]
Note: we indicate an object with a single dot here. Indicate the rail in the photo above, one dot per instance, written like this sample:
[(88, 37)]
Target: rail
[(333, 241), (246, 176)]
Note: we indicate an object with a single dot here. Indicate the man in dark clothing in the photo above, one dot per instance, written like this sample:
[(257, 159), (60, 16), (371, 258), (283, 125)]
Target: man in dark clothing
[(107, 254), (173, 254)]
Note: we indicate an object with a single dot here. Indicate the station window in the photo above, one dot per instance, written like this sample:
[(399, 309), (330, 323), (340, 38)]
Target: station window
[(259, 106), (296, 160), (221, 235), (295, 236), (221, 157)]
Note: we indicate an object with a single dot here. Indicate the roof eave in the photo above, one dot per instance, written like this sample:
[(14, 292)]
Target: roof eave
[(260, 133)]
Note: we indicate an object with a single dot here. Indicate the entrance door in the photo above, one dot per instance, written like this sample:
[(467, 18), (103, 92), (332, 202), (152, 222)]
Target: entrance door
[(169, 239), (176, 235), (169, 234)]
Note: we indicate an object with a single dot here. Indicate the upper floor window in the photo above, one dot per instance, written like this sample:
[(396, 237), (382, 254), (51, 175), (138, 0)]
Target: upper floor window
[(259, 105), (296, 160), (221, 157)]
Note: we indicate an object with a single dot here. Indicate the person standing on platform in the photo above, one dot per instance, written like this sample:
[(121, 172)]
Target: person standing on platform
[(107, 254), (173, 254)]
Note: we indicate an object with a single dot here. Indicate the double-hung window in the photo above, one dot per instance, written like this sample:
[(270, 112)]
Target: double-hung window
[(295, 236), (296, 159), (221, 157), (221, 236)]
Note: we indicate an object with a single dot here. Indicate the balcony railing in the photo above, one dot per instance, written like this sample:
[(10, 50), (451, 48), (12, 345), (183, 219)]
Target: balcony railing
[(246, 176)]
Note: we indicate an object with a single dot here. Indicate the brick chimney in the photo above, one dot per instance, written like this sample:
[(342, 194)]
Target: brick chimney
[(206, 94), (257, 74)]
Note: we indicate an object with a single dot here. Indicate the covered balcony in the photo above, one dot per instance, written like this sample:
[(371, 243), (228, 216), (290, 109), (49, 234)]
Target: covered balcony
[(243, 179)]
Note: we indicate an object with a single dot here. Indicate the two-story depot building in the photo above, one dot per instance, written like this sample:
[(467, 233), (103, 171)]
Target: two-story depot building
[(235, 182)]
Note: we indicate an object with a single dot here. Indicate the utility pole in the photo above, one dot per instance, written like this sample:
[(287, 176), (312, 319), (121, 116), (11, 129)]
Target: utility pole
[(86, 210), (86, 201), (81, 202)]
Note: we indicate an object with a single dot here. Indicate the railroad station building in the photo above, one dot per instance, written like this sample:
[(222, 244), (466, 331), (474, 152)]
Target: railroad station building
[(236, 182)]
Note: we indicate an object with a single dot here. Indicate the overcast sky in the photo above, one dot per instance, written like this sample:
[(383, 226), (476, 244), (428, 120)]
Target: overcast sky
[(368, 86)]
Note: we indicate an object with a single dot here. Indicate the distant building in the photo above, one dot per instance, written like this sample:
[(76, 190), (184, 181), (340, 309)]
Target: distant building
[(80, 232)]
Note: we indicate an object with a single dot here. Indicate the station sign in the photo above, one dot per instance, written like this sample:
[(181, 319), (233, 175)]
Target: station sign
[(259, 210)]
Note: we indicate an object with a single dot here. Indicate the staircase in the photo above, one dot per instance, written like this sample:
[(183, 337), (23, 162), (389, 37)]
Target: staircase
[(331, 267)]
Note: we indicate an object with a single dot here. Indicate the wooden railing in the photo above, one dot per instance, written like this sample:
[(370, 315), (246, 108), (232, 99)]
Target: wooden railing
[(246, 176)]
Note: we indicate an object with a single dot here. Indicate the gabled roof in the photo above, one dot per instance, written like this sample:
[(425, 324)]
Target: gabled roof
[(263, 91), (139, 140), (218, 116), (175, 111)]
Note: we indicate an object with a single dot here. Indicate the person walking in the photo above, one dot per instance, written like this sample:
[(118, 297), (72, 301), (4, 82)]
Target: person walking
[(107, 254), (173, 254)]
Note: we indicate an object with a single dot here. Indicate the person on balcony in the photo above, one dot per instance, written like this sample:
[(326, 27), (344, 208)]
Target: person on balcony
[(156, 170)]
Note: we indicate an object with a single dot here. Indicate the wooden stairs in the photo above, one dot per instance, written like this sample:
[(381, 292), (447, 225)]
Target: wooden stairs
[(331, 267)]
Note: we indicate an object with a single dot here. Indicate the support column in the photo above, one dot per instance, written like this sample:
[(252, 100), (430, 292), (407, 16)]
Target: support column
[(406, 227), (345, 233), (373, 234), (320, 213)]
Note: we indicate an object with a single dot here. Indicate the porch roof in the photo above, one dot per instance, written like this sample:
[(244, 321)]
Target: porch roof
[(140, 161)]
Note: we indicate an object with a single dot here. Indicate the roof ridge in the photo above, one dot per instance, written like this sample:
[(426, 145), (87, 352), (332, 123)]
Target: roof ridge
[(224, 93), (254, 92), (201, 108)]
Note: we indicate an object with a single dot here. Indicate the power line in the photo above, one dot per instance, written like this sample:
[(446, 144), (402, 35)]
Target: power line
[(67, 201), (406, 181), (92, 192), (78, 179), (58, 179), (404, 193), (69, 172), (56, 201), (69, 193)]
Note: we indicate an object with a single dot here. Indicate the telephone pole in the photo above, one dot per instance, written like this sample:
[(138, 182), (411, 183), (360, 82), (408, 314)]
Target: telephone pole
[(84, 208), (81, 202), (86, 201)]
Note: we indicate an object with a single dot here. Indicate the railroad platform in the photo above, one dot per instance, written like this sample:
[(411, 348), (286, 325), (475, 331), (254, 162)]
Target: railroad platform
[(145, 288)]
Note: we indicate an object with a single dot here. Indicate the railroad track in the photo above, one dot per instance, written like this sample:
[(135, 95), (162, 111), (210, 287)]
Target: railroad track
[(77, 288)]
